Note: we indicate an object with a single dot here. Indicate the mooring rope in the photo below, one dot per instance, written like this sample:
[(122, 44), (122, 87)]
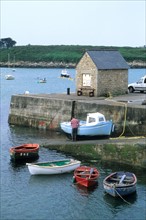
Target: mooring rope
[(122, 197), (125, 114)]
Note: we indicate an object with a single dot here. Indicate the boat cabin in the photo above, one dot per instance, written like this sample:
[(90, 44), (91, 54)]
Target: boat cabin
[(95, 118)]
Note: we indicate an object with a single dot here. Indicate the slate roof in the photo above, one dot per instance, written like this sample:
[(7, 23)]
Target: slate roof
[(104, 59)]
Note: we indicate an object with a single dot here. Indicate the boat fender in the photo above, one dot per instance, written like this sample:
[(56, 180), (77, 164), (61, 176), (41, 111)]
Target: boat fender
[(113, 128)]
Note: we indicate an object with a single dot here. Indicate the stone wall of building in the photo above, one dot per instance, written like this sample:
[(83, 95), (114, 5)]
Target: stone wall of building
[(86, 66), (114, 82)]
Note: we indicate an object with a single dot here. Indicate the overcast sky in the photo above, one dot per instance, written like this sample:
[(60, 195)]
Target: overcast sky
[(105, 22)]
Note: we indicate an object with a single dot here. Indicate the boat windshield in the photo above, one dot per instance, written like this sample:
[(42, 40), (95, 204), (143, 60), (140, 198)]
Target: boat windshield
[(91, 120), (101, 119)]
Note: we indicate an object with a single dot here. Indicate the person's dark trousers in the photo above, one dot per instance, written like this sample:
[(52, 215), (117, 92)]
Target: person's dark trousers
[(74, 134)]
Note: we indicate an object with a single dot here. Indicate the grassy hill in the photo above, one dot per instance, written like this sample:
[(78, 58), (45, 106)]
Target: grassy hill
[(64, 53)]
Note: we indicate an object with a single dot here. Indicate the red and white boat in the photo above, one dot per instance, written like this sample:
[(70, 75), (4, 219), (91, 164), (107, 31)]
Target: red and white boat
[(86, 176), (24, 151)]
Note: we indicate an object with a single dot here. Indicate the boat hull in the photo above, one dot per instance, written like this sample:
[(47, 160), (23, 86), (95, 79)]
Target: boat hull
[(120, 184), (65, 76), (36, 169), (85, 182), (116, 191), (26, 151)]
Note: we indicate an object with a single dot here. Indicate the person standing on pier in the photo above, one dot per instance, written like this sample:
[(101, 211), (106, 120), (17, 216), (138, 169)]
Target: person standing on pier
[(74, 125)]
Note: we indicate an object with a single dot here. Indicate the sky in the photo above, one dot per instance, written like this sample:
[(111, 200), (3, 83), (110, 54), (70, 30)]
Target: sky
[(76, 22)]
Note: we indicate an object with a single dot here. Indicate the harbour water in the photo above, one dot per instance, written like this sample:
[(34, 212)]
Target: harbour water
[(26, 197)]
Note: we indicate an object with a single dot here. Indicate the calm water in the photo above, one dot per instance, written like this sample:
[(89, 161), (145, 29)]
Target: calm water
[(26, 197)]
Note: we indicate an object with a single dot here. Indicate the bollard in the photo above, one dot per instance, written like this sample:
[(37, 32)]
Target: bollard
[(68, 91)]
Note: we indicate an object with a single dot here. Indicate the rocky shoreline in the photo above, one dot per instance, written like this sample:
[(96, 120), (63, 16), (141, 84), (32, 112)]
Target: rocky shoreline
[(27, 64)]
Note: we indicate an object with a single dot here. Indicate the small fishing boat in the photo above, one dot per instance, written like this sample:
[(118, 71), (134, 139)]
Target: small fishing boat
[(95, 125), (120, 183), (9, 77), (86, 176), (42, 80), (24, 151), (53, 167), (65, 74)]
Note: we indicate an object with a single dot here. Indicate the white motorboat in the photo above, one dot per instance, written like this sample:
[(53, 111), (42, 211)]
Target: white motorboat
[(95, 125), (9, 77), (64, 73)]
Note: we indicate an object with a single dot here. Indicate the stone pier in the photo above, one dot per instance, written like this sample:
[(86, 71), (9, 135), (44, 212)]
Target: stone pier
[(46, 111)]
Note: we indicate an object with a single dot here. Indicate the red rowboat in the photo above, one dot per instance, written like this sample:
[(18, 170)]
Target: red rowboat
[(86, 176), (24, 151)]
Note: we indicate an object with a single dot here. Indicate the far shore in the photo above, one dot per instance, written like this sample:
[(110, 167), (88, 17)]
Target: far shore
[(27, 64)]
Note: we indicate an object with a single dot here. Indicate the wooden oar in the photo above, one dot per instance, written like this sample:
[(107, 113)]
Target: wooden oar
[(91, 171)]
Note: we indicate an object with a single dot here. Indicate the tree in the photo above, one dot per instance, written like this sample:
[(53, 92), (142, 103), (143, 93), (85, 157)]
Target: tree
[(7, 42)]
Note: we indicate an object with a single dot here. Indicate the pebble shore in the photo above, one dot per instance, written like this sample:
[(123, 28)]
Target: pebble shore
[(24, 64)]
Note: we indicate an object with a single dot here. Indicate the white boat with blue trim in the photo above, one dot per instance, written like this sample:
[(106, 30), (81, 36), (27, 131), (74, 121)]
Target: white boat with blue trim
[(95, 125)]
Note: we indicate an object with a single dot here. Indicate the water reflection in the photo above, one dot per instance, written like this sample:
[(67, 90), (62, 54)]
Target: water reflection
[(84, 191), (22, 162), (63, 179), (21, 134), (118, 201)]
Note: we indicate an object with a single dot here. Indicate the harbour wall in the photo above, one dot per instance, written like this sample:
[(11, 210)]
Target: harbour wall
[(47, 111), (125, 152)]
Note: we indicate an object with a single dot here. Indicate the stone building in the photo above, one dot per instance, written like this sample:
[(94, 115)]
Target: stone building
[(101, 73)]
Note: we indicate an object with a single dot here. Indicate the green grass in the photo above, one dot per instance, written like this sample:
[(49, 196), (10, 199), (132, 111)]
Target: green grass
[(65, 53)]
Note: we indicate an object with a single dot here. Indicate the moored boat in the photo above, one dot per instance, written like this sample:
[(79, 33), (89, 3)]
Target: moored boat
[(86, 176), (9, 77), (120, 183), (42, 80), (95, 125), (53, 167), (64, 73), (24, 151)]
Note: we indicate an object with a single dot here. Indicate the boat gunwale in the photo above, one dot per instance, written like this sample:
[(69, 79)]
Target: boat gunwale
[(86, 176), (119, 185), (25, 148), (53, 166)]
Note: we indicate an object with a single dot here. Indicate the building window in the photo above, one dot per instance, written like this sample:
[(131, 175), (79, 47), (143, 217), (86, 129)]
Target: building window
[(86, 80)]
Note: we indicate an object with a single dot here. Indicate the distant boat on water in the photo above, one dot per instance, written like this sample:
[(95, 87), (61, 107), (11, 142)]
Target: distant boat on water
[(9, 76), (42, 80), (64, 73)]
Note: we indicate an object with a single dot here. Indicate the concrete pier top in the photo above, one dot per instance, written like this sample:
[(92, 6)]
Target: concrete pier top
[(131, 99)]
